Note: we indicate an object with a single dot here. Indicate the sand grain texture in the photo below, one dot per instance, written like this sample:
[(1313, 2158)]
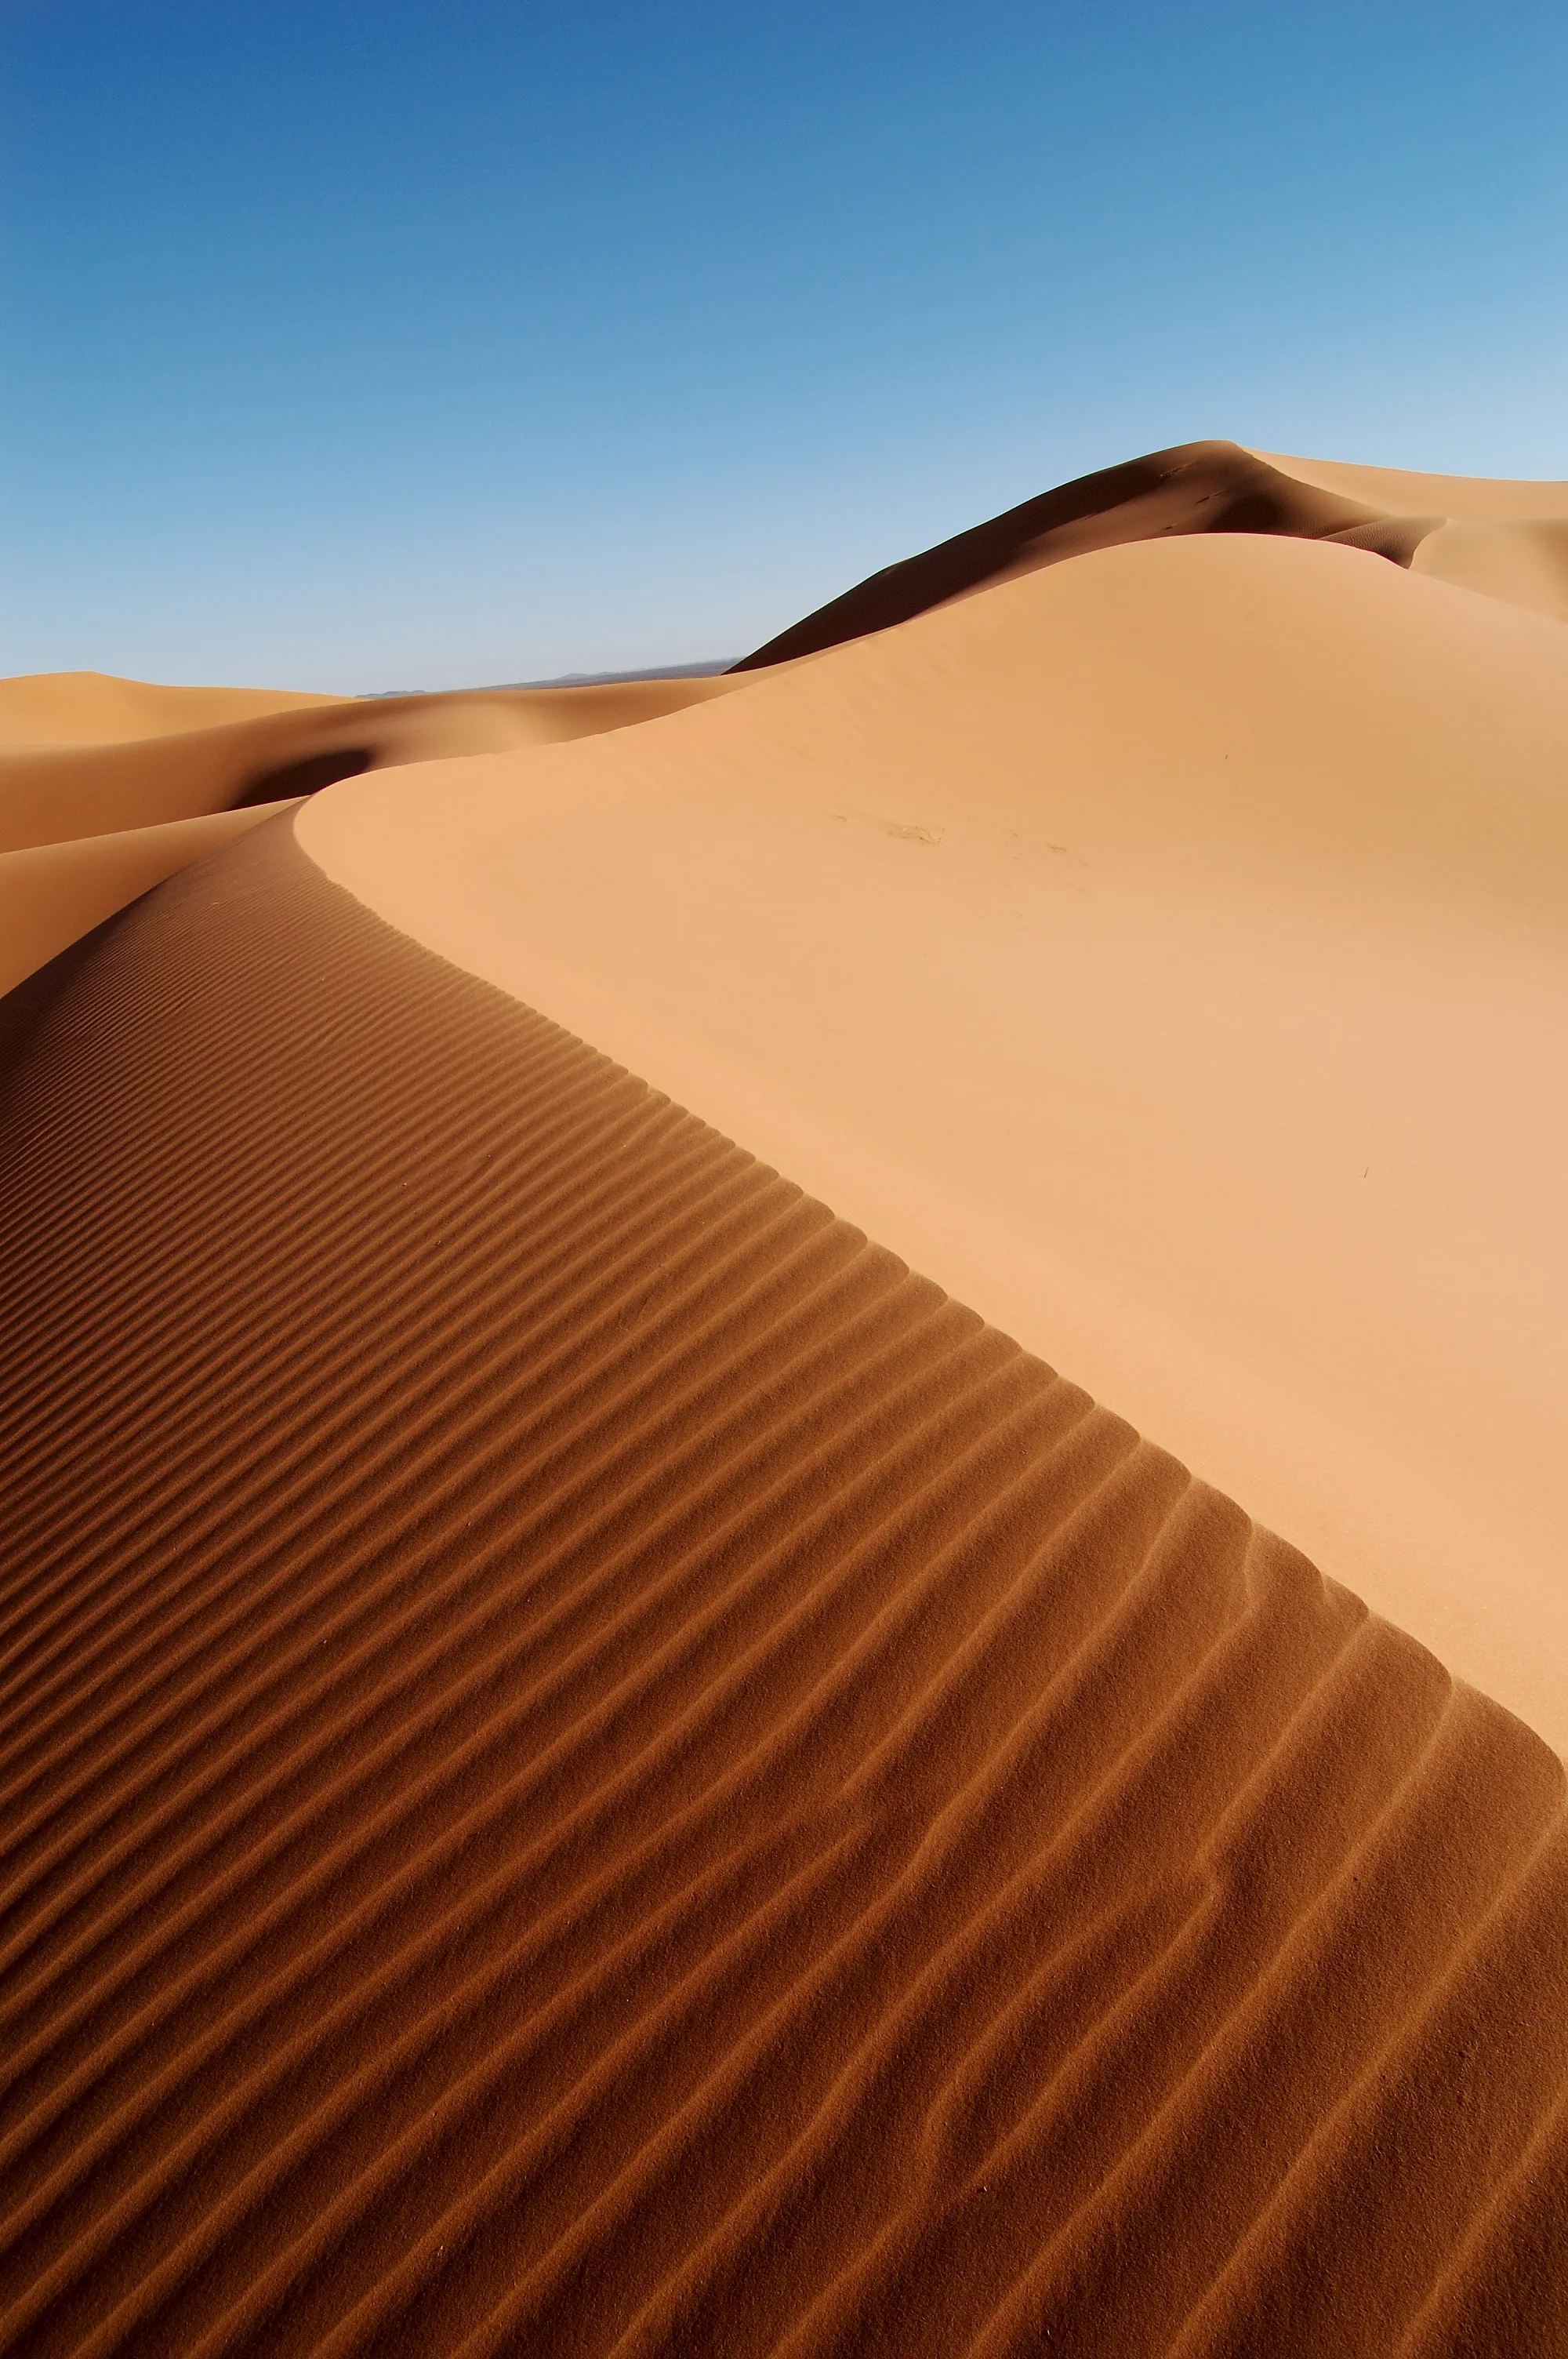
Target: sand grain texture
[(590, 1765), (52, 893)]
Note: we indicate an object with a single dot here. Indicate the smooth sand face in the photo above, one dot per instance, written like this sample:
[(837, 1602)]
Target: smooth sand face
[(1525, 564), (1165, 954), (1508, 541), (1472, 499)]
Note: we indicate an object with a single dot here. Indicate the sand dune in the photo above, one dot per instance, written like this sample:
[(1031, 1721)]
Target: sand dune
[(90, 821), (1526, 564), (93, 708), (1508, 541), (52, 893), (1218, 487), (1194, 487), (63, 791), (1164, 951), (1469, 499), (592, 1766)]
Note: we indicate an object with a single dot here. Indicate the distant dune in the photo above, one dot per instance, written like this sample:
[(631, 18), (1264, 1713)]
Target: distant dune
[(182, 755), (89, 707), (606, 1748)]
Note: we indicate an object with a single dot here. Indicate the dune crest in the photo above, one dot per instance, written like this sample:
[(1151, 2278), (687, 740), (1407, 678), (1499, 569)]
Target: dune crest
[(63, 791), (1470, 499), (1525, 563), (1219, 487), (1195, 487), (1506, 540), (52, 893)]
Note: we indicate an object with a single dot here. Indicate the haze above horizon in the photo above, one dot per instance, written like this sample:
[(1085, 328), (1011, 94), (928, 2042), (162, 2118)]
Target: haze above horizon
[(351, 346)]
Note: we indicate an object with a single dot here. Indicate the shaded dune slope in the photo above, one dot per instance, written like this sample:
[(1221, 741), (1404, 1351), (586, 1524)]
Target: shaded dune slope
[(590, 1765), (51, 893), (1193, 488)]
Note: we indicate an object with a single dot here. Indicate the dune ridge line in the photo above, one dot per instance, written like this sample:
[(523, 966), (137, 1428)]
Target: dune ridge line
[(590, 1764)]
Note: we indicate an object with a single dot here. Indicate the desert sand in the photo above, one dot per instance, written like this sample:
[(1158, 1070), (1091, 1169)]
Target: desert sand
[(52, 893), (1218, 487), (111, 785), (1163, 951), (1396, 491), (611, 1740), (91, 708), (1506, 540)]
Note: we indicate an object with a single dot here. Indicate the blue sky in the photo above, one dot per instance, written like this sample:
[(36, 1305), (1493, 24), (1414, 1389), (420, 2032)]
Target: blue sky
[(367, 344)]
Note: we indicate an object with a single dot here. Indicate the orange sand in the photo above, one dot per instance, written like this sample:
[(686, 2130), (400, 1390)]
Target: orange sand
[(93, 708), (1506, 540), (1471, 499), (590, 1764), (591, 1767), (82, 757), (1164, 951), (52, 893)]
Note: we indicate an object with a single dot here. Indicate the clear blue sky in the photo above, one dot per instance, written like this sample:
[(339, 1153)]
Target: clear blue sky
[(377, 343)]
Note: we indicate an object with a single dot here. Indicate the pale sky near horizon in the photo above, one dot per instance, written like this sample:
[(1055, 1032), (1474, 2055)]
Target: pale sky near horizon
[(368, 345)]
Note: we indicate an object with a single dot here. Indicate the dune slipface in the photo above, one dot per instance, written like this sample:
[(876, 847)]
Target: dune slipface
[(590, 1764)]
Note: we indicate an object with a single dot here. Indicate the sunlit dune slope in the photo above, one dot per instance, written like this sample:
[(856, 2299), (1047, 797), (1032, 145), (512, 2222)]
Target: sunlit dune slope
[(1164, 951), (591, 1765), (1526, 564), (90, 819)]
